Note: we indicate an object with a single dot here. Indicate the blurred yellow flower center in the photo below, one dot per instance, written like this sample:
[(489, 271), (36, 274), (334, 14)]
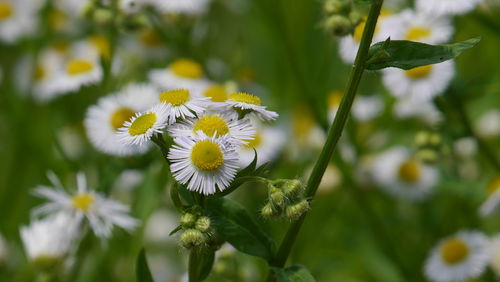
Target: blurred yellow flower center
[(409, 171), (175, 97), (102, 45), (454, 251), (303, 121), (6, 10), (211, 125), (207, 155), (244, 98), (419, 72), (142, 124), (358, 31), (255, 142), (186, 68), (334, 99), (83, 201), (75, 67), (60, 46), (150, 38), (216, 93), (39, 72), (120, 116), (57, 19), (416, 33), (494, 185)]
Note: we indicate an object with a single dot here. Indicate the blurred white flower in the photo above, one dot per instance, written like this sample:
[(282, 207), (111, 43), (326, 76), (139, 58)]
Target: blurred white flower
[(425, 110), (495, 254), (488, 124), (189, 7), (493, 197), (421, 27), (366, 108), (18, 18), (159, 226), (446, 7), (4, 250), (459, 257), (403, 176), (330, 181), (101, 213), (465, 147)]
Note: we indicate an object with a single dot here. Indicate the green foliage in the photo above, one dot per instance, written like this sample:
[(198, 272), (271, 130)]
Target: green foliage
[(408, 54), (142, 269), (294, 273)]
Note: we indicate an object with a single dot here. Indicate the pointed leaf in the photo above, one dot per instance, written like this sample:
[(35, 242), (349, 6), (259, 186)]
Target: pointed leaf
[(142, 271), (294, 273), (207, 258)]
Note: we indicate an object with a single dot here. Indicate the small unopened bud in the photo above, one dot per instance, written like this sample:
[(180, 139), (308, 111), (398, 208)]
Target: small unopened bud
[(192, 238), (339, 25), (435, 140), (277, 197), (268, 211), (422, 138), (292, 188), (337, 7), (203, 224), (102, 16), (427, 155), (187, 220), (293, 212)]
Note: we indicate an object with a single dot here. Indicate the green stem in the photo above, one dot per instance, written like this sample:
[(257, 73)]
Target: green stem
[(193, 271), (334, 133), (160, 142)]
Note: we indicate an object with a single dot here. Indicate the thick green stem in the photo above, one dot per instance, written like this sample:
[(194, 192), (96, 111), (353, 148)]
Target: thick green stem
[(335, 131), (194, 257)]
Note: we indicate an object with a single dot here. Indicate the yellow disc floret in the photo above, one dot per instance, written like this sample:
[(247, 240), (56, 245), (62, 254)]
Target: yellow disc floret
[(244, 98), (334, 99), (216, 93), (83, 201), (416, 33), (255, 142), (419, 72), (6, 10), (207, 155), (76, 67), (454, 251), (186, 68), (120, 116), (211, 125), (38, 72), (409, 171), (494, 185), (142, 124), (150, 38), (102, 45), (175, 97)]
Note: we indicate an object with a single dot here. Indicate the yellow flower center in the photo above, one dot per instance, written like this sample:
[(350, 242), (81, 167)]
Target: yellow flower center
[(494, 185), (416, 33), (76, 67), (150, 38), (454, 251), (207, 155), (303, 121), (334, 99), (120, 116), (419, 72), (6, 10), (83, 201), (102, 45), (216, 93), (211, 125), (255, 142), (358, 31), (186, 68), (142, 124), (60, 46), (409, 171), (38, 72), (175, 97), (244, 98), (57, 19)]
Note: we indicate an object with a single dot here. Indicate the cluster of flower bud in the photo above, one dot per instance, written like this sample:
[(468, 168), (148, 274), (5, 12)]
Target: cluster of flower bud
[(341, 18), (196, 230), (285, 200), (429, 146)]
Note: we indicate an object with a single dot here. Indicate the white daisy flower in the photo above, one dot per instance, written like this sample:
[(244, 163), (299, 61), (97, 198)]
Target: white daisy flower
[(18, 18), (495, 254), (203, 163), (420, 83), (181, 73), (74, 8), (250, 104), (421, 27), (103, 120), (405, 108), (190, 7), (101, 213), (446, 7), (493, 201), (488, 124), (50, 238), (147, 43), (159, 225), (268, 141), (460, 257), (366, 108), (403, 176), (182, 104), (144, 125), (306, 133), (239, 132)]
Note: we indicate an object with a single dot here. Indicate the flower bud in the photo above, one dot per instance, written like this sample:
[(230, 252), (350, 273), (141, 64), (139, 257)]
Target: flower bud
[(187, 220), (435, 140), (337, 7), (277, 197), (102, 16), (268, 211), (422, 138), (292, 188), (192, 238), (339, 25), (203, 224), (294, 211), (427, 155)]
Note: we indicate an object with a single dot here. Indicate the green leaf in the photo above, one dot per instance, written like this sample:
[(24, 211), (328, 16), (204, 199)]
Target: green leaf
[(408, 54), (250, 168), (142, 271), (294, 273), (238, 227), (207, 257)]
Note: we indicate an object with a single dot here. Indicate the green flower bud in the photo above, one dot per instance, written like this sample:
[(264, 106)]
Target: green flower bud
[(292, 188), (47, 263), (294, 211), (203, 224), (337, 7), (192, 238), (427, 155), (435, 140), (187, 220), (422, 138), (339, 25), (102, 16), (268, 211), (277, 197)]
